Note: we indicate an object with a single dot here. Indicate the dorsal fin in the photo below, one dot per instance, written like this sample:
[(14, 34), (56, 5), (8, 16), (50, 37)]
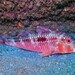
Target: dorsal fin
[(41, 29)]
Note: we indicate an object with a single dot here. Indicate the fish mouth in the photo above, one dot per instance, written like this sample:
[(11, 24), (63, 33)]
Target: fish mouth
[(74, 42), (74, 46)]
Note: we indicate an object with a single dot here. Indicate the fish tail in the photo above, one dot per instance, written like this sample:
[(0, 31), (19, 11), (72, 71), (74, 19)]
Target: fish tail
[(2, 39)]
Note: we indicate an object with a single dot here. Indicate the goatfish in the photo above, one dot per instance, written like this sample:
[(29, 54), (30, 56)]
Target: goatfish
[(46, 42)]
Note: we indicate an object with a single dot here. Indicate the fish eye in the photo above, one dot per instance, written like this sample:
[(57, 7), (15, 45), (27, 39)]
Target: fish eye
[(68, 40)]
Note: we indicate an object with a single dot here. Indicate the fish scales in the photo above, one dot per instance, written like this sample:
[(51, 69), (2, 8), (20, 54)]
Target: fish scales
[(46, 42)]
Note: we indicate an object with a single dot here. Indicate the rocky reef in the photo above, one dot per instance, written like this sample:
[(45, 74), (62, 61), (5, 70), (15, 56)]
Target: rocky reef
[(16, 14)]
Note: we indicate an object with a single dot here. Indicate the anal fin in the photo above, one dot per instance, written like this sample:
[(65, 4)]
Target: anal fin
[(46, 53)]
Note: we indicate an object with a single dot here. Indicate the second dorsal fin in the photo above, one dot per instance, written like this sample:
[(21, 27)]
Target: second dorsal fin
[(23, 33)]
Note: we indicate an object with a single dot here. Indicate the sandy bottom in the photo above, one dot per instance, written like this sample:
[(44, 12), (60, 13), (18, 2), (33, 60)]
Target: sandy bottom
[(14, 61)]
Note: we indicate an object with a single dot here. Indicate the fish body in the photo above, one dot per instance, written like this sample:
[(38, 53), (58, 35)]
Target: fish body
[(46, 42)]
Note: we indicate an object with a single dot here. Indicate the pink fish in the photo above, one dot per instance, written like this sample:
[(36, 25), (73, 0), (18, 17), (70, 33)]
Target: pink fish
[(46, 42)]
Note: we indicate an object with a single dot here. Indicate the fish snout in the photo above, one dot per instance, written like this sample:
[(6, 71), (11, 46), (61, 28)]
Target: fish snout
[(73, 44)]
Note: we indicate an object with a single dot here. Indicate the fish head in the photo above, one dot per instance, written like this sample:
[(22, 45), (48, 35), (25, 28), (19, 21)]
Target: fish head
[(68, 43)]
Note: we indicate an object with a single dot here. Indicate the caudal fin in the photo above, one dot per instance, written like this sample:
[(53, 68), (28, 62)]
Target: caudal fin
[(2, 39)]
